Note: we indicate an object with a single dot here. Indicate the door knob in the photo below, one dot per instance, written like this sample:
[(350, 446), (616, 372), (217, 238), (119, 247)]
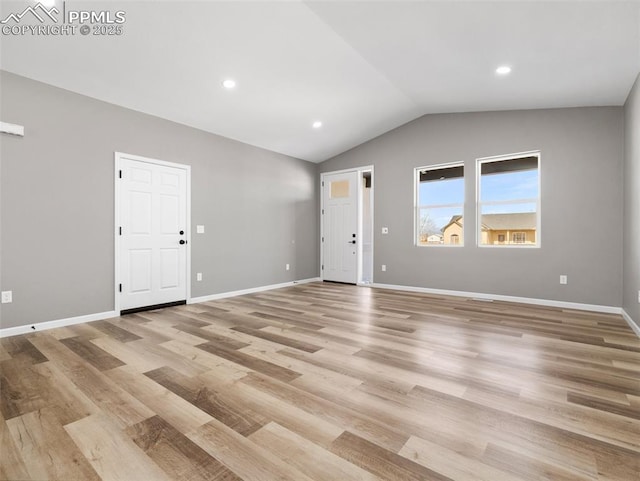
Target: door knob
[(181, 232), (182, 241), (351, 242)]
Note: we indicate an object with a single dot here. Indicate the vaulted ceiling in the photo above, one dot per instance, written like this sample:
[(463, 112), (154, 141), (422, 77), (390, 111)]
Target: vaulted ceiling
[(361, 68)]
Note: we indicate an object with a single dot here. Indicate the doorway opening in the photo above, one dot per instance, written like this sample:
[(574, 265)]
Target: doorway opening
[(366, 223)]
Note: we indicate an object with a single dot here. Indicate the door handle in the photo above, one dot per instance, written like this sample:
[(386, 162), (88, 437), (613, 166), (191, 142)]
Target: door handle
[(182, 241), (351, 242)]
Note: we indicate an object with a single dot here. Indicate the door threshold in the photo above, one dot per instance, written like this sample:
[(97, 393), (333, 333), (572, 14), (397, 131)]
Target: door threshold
[(340, 282), (133, 310)]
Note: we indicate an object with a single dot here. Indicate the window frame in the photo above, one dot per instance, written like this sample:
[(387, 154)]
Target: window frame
[(538, 200), (417, 206)]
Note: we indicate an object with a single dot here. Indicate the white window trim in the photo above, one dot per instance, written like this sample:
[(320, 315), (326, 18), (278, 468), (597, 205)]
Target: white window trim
[(538, 201), (417, 206)]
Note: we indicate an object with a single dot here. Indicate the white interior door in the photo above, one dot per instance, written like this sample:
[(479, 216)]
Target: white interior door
[(340, 227), (153, 238)]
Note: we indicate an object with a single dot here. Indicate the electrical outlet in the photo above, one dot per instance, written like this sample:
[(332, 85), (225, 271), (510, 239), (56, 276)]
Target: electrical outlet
[(385, 230), (563, 279), (199, 229), (384, 268), (286, 266), (199, 276), (7, 297)]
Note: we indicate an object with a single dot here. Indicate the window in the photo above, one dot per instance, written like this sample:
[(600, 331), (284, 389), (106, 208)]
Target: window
[(509, 200), (519, 237), (339, 188), (439, 205)]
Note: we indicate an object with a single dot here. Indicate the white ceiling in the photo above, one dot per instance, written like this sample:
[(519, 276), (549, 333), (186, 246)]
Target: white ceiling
[(361, 67)]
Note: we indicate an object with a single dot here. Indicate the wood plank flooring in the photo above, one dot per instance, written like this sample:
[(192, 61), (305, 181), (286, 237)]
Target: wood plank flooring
[(325, 382)]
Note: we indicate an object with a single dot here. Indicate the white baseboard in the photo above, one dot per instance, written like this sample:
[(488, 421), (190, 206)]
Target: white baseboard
[(496, 297), (42, 326), (631, 323), (252, 290)]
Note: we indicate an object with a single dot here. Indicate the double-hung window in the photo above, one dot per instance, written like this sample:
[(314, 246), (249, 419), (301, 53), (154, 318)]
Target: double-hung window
[(509, 200), (439, 205)]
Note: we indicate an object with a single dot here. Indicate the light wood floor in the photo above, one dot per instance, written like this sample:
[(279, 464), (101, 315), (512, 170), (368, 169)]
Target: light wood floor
[(325, 382)]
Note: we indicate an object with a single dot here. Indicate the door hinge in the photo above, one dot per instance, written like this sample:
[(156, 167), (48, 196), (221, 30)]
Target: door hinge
[(120, 288), (120, 174), (323, 183), (322, 267), (322, 211), (120, 230), (323, 239)]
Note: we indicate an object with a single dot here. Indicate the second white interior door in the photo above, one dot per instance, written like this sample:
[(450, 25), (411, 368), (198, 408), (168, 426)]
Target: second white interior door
[(153, 241), (340, 227)]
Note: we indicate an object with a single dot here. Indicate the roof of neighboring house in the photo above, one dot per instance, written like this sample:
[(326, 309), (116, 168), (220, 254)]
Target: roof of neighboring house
[(523, 221), (456, 219)]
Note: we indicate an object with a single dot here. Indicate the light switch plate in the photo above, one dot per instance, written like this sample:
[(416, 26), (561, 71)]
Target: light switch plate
[(7, 297), (385, 230), (199, 229)]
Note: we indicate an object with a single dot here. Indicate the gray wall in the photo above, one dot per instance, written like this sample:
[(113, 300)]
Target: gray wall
[(259, 207), (581, 171), (632, 204)]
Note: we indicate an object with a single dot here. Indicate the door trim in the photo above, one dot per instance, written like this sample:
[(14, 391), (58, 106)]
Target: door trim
[(360, 171), (118, 156)]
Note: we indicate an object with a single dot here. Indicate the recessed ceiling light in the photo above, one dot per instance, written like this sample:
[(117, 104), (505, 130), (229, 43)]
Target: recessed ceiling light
[(229, 83), (503, 70), (317, 124)]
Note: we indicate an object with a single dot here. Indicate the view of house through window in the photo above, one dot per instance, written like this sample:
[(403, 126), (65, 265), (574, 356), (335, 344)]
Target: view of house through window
[(440, 205), (508, 201)]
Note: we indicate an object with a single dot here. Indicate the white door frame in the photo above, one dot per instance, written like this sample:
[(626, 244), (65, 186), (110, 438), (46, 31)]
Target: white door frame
[(116, 228), (360, 171)]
